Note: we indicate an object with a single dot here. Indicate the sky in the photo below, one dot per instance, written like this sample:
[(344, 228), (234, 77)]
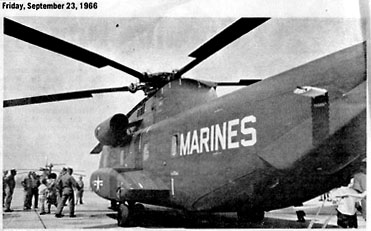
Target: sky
[(63, 132)]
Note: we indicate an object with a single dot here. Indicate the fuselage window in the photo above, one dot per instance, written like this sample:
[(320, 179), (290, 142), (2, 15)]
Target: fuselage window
[(175, 145), (141, 110), (122, 158)]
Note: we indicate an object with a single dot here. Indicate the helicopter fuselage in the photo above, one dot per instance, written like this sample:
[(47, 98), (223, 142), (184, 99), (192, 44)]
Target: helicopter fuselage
[(262, 146)]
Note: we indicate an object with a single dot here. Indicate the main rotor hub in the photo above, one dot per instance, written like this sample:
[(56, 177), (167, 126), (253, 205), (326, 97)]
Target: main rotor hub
[(151, 82), (159, 77)]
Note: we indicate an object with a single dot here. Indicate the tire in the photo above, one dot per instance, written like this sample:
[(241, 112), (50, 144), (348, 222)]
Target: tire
[(122, 215), (139, 208)]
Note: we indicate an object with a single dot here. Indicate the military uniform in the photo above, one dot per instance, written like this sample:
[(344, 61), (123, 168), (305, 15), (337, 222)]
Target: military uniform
[(27, 186), (51, 198), (66, 184), (35, 183), (9, 189), (5, 173), (58, 184)]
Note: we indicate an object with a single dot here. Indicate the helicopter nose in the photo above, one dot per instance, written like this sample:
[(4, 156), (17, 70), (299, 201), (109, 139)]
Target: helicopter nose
[(104, 182), (112, 130)]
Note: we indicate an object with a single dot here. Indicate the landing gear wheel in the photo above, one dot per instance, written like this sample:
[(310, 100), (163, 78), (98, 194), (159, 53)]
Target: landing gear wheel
[(253, 215), (139, 209), (128, 213), (122, 215)]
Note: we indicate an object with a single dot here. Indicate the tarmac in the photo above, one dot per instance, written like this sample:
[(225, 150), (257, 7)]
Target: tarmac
[(95, 214)]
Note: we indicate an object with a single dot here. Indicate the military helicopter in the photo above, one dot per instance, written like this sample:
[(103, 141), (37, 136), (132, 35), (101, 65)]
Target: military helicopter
[(45, 170), (275, 143)]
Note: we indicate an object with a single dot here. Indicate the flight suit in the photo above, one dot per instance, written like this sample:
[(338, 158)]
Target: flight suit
[(67, 183)]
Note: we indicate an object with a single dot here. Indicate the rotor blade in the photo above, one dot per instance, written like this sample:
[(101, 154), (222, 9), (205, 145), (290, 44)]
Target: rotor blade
[(228, 35), (60, 96), (242, 82), (54, 44), (58, 164)]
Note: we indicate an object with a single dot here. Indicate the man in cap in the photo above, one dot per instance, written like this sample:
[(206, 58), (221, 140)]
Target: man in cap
[(9, 189), (67, 183)]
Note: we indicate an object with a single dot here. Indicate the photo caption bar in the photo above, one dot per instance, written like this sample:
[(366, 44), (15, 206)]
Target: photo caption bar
[(68, 5)]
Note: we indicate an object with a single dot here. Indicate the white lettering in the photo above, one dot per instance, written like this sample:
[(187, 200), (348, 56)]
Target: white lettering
[(204, 139), (184, 145), (232, 133), (221, 137), (229, 135), (248, 131), (194, 143), (212, 138)]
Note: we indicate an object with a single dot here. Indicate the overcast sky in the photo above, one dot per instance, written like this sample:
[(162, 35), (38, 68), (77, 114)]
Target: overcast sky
[(63, 131)]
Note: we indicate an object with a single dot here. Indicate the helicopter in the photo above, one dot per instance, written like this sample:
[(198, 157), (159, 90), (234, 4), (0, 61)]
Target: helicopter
[(275, 143), (45, 170)]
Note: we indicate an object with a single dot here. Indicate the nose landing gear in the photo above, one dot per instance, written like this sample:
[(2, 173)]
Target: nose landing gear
[(128, 212)]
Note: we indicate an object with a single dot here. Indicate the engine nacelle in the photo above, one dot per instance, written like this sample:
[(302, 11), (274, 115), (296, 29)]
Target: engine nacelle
[(113, 130)]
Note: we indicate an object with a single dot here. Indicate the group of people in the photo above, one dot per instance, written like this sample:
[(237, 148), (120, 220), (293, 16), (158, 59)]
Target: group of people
[(46, 191), (53, 190)]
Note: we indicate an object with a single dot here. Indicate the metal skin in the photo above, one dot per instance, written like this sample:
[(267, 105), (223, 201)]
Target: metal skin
[(271, 158)]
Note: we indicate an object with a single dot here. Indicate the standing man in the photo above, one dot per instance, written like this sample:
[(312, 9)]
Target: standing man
[(5, 173), (67, 183), (35, 183), (9, 189), (51, 198), (80, 191), (347, 198), (27, 186), (57, 184)]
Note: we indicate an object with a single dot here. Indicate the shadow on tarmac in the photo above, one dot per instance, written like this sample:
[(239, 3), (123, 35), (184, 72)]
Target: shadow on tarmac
[(174, 219), (94, 214)]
